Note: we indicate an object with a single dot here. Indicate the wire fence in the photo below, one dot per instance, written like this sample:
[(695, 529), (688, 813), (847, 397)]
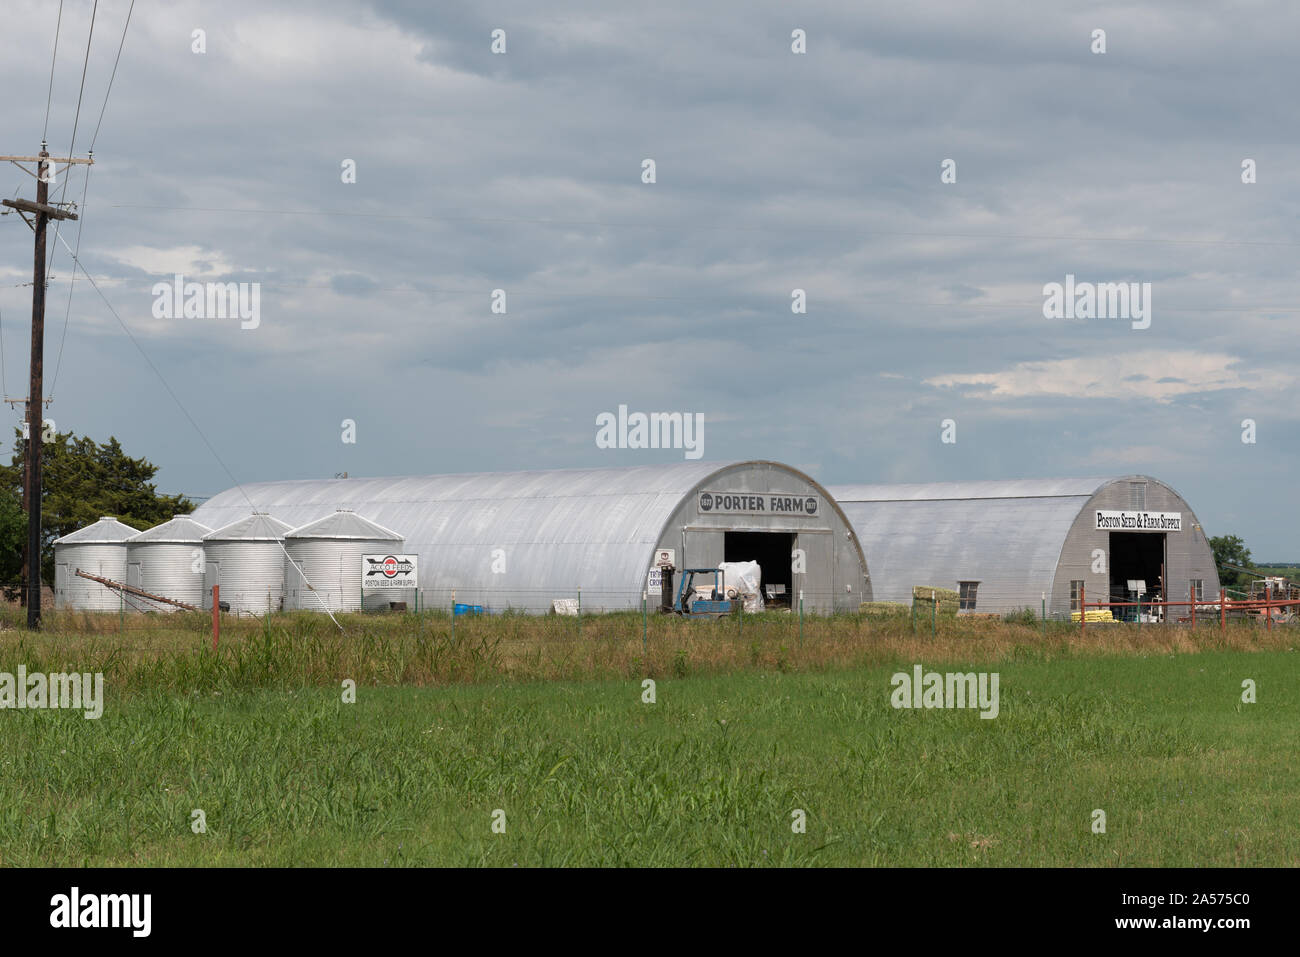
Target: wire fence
[(926, 609)]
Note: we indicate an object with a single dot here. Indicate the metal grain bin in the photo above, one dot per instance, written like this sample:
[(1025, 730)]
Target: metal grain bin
[(327, 554), (167, 560), (246, 559), (98, 549)]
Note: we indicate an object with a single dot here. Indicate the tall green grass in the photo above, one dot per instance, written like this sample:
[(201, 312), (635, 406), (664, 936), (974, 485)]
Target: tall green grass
[(587, 774), (173, 653)]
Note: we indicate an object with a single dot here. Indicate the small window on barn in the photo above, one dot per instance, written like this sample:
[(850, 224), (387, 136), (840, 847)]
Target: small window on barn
[(1198, 589), (1076, 590), (1137, 496), (966, 595)]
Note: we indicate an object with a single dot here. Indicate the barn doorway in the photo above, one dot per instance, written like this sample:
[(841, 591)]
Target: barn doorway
[(772, 551), (1140, 556)]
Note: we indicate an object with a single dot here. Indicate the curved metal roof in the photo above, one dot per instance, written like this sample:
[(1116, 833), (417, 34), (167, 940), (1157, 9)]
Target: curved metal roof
[(1007, 535), (939, 491), (107, 531), (556, 530)]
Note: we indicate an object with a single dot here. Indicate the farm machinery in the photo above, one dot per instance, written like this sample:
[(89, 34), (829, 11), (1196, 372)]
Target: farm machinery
[(1273, 589), (705, 599)]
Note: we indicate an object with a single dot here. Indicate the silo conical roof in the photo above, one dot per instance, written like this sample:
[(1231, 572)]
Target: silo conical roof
[(108, 530), (181, 529), (345, 524), (258, 527)]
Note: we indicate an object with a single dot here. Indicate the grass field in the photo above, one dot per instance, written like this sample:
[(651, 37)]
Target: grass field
[(1148, 727)]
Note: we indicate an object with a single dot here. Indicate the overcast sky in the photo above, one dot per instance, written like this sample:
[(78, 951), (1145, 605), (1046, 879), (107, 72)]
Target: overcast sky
[(774, 171)]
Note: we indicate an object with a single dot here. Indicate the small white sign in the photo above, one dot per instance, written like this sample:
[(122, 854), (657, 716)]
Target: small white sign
[(388, 571), (665, 556)]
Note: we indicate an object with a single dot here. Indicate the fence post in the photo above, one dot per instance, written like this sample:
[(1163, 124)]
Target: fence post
[(913, 612), (579, 612), (453, 616), (934, 613), (1044, 618), (1083, 609), (216, 615), (1223, 611), (1191, 598), (801, 619), (645, 597)]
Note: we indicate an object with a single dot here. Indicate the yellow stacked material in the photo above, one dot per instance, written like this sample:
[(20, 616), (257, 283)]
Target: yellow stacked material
[(883, 608), (946, 598), (1096, 614)]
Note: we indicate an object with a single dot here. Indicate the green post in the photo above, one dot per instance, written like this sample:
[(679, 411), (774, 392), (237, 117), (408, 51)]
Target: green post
[(453, 616), (579, 612), (121, 611), (800, 618), (934, 614), (1044, 618), (644, 623)]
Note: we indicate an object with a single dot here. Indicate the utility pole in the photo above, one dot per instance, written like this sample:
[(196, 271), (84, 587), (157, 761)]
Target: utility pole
[(43, 213)]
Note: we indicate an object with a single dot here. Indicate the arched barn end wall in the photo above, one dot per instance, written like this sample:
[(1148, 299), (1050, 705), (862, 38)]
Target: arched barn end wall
[(1187, 552), (520, 539), (774, 500), (1021, 539)]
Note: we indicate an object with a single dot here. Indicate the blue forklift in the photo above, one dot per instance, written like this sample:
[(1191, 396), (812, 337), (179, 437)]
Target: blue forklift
[(702, 601)]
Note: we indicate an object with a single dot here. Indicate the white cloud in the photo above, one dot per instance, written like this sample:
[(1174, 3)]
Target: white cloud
[(188, 260), (1152, 375)]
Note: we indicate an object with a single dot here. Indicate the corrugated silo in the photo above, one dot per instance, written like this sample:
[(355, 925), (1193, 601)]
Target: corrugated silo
[(98, 549), (327, 553), (167, 560), (247, 560)]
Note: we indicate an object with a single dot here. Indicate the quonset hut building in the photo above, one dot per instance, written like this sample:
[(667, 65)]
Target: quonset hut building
[(1005, 545), (522, 539)]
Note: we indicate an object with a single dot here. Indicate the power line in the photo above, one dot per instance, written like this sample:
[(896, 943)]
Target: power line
[(185, 412), (67, 312), (992, 237), (85, 63), (121, 44), (863, 301), (50, 92), (72, 284)]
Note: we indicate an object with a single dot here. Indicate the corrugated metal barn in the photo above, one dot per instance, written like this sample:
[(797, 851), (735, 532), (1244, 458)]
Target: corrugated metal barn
[(1004, 545), (521, 539)]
